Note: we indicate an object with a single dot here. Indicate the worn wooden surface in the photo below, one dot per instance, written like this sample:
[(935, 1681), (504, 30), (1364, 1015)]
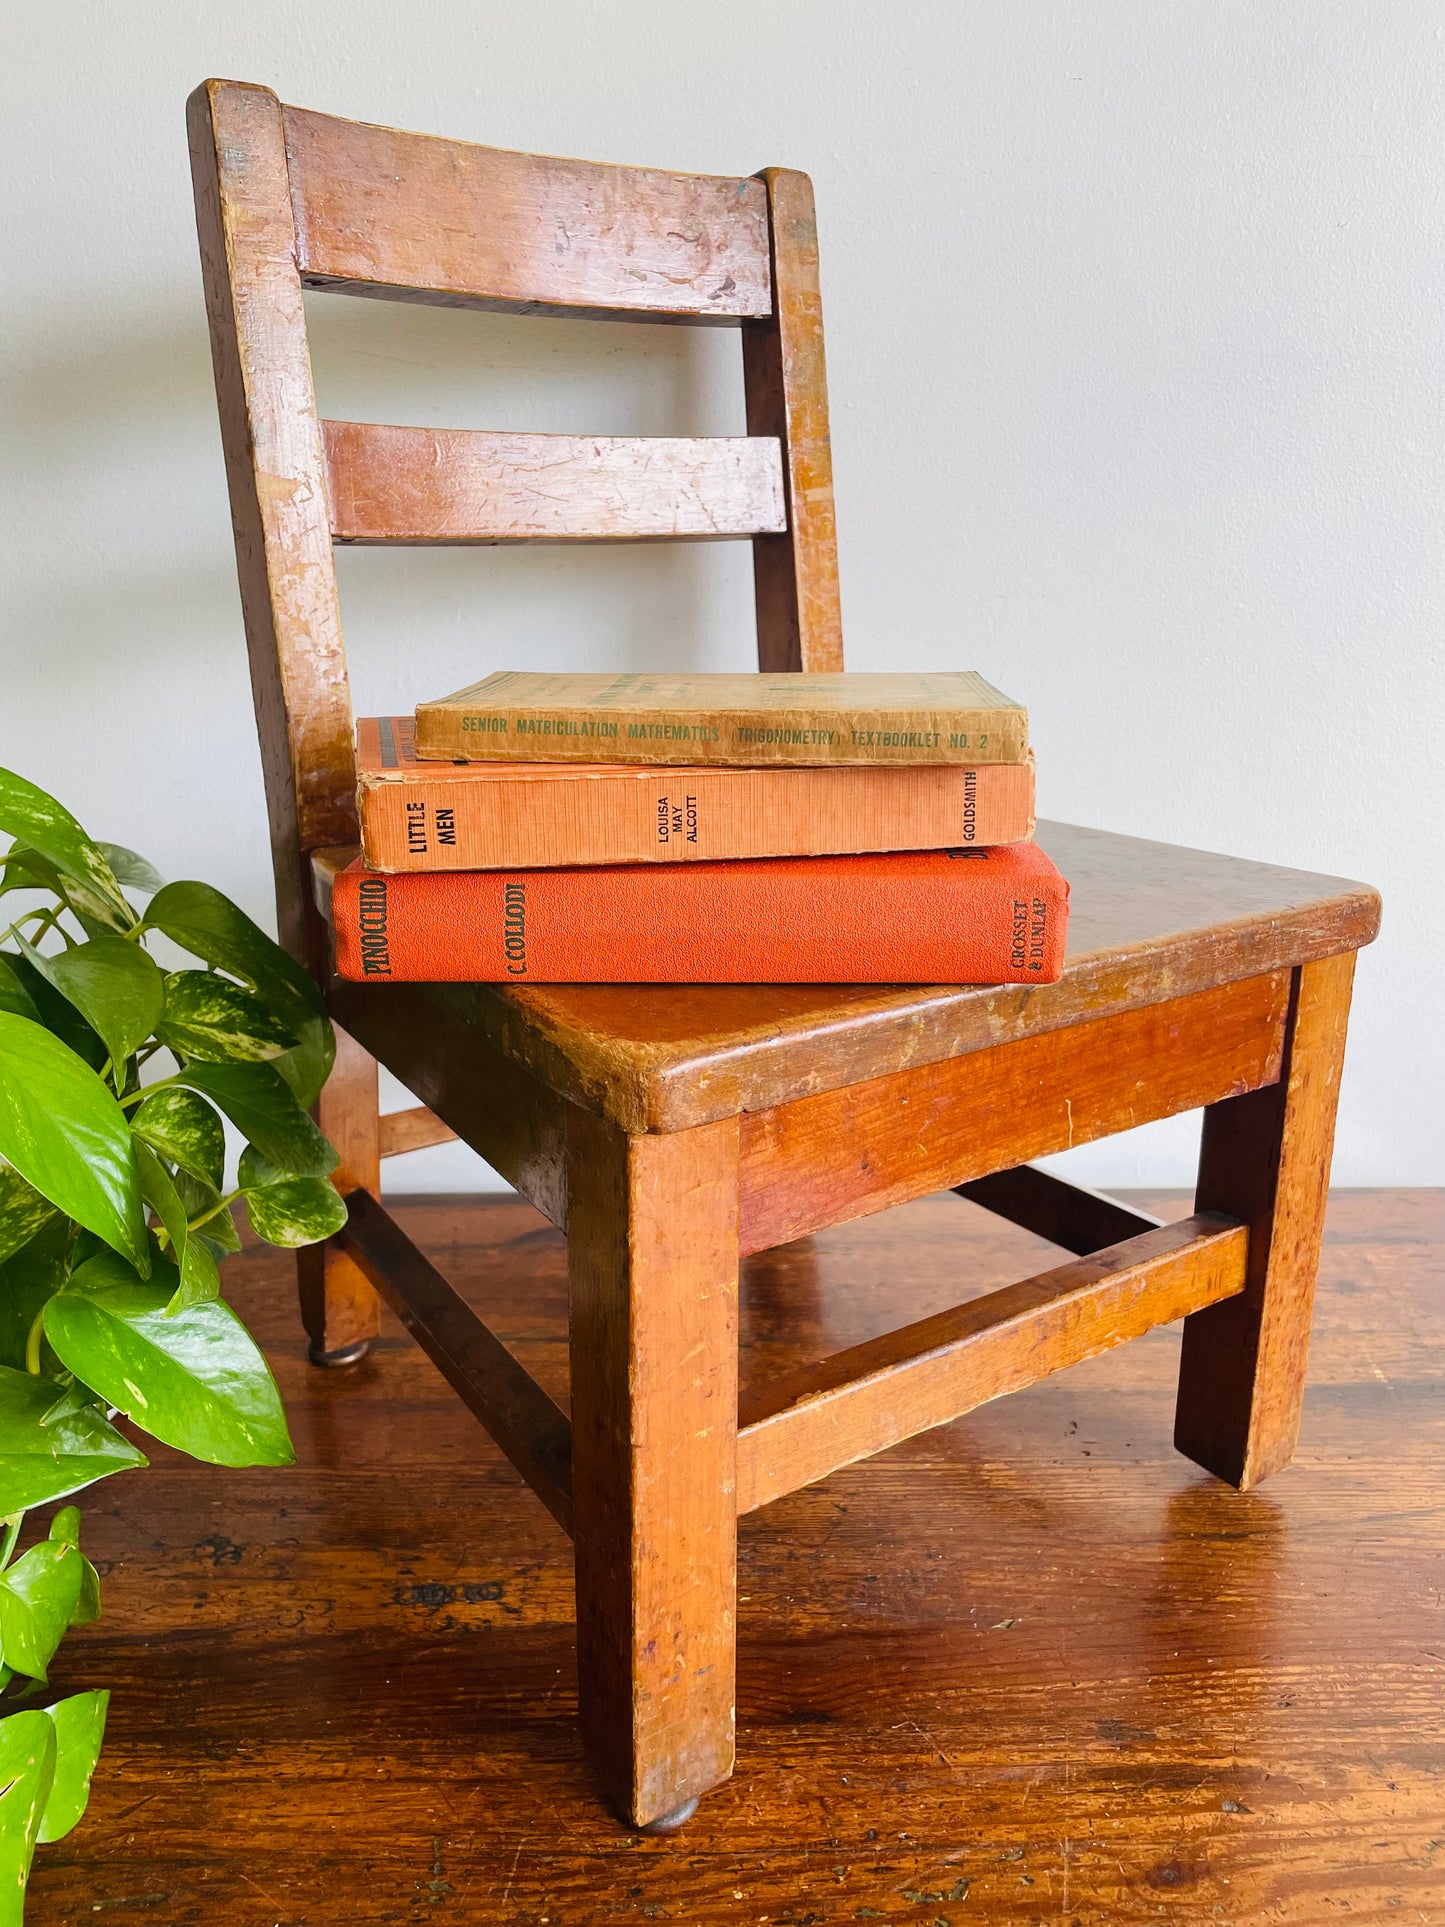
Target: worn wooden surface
[(339, 1308), (823, 1159), (412, 1130), (440, 485), (1147, 921), (275, 471), (795, 574), (413, 217), (802, 1425), (1267, 1162), (653, 1259), (523, 1419), (507, 1116), (1036, 1653), (1068, 1215)]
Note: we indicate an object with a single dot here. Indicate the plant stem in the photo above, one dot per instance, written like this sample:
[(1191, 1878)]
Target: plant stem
[(41, 915), (194, 1224), (146, 1090), (32, 1343)]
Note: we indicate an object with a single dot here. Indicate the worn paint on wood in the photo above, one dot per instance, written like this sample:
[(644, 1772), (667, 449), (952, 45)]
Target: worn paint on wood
[(451, 485)]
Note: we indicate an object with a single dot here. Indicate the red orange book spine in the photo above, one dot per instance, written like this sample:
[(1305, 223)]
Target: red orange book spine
[(937, 916)]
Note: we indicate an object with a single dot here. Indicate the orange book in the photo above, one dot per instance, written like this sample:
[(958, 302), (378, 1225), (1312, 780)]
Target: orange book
[(936, 916), (535, 816)]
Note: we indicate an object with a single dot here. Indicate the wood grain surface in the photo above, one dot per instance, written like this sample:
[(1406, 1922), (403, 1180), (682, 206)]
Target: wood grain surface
[(799, 1427), (821, 1160), (275, 471), (1032, 1667), (1267, 1162), (450, 485), (653, 1263), (412, 1130), (339, 1307), (785, 379), (1147, 922), (389, 213)]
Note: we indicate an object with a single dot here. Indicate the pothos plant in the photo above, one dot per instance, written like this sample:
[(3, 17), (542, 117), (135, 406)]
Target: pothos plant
[(117, 1067)]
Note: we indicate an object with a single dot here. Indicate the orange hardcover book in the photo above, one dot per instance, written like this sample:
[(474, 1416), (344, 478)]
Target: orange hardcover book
[(537, 816), (935, 916)]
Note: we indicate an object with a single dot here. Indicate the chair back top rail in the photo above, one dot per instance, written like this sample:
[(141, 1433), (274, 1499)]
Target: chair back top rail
[(287, 199), (398, 214)]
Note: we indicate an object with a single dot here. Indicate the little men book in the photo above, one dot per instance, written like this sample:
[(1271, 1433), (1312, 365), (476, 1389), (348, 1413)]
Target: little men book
[(952, 716), (537, 816), (936, 916)]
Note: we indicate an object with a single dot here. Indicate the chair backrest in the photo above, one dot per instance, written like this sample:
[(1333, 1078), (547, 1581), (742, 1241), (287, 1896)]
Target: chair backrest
[(287, 200)]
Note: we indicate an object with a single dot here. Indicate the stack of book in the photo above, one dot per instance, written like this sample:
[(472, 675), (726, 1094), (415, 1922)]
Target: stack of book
[(701, 829)]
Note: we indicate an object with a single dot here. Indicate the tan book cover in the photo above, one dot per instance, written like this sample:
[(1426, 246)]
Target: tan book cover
[(535, 816), (948, 716)]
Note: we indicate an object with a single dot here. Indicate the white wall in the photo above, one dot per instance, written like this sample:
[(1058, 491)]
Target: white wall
[(1134, 345)]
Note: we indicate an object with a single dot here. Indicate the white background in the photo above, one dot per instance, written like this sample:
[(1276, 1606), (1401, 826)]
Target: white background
[(1134, 335)]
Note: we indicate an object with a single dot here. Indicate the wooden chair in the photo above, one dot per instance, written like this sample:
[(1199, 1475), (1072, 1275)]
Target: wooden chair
[(669, 1131)]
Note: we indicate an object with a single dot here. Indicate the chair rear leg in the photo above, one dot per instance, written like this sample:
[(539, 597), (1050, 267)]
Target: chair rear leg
[(339, 1308), (1265, 1158), (652, 1233)]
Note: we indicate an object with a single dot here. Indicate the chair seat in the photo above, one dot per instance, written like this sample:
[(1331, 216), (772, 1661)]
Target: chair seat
[(1147, 921)]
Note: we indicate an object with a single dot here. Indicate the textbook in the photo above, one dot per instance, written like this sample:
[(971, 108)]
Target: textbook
[(937, 916), (948, 716), (537, 816)]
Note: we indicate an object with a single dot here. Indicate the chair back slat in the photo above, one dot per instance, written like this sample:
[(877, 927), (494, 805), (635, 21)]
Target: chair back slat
[(286, 200), (423, 485), (445, 221)]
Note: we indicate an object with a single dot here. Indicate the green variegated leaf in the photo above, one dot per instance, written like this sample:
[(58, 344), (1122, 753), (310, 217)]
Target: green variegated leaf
[(58, 1014), (160, 1193), (34, 818), (199, 1278), (14, 997), (66, 1526), (193, 1378), (26, 869), (63, 1131), (130, 869), (264, 1109), (27, 1278), (214, 929), (22, 1211), (183, 1127), (211, 927), (52, 1444), (79, 1729), (296, 1211), (201, 1201), (307, 1067), (115, 986), (38, 1595), (216, 1022), (28, 1747)]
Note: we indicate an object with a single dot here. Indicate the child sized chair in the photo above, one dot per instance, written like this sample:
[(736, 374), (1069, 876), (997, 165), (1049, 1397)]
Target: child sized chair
[(669, 1131)]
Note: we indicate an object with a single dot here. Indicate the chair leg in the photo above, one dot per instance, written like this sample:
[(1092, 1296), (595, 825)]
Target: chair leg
[(339, 1308), (1265, 1158), (652, 1227)]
